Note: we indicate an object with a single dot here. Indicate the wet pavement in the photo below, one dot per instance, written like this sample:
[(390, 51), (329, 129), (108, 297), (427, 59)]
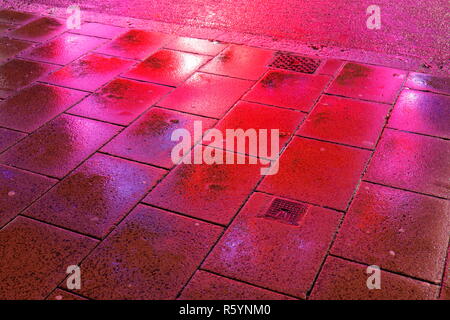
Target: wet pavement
[(87, 178)]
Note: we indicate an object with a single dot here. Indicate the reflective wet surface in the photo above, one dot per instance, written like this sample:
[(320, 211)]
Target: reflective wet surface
[(40, 30)]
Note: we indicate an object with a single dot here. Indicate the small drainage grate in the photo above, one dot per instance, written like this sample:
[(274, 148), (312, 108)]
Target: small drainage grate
[(286, 211), (295, 63)]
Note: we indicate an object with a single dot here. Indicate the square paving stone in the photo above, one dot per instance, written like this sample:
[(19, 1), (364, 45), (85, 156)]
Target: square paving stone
[(40, 30), (93, 198), (208, 286), (288, 89), (200, 46), (412, 162), (34, 106), (272, 254), (151, 255), (246, 115), (58, 147), (99, 30), (318, 172), (149, 138), (16, 74), (10, 47), (8, 138), (18, 189), (426, 82), (167, 67), (35, 257), (422, 112), (207, 95), (11, 16), (397, 230), (212, 192), (5, 28), (240, 62), (120, 101), (89, 72), (348, 121), (63, 49), (345, 280), (135, 44), (368, 82)]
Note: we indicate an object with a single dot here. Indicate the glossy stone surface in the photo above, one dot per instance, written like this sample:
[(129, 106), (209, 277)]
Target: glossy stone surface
[(330, 67), (208, 286), (34, 106), (246, 115), (19, 73), (167, 67), (99, 30), (151, 255), (90, 72), (386, 227), (251, 249), (213, 192), (63, 49), (149, 138), (8, 138), (240, 62), (344, 280), (193, 45), (18, 189), (206, 95), (368, 82), (35, 257), (412, 162), (40, 30), (58, 147), (422, 112), (11, 47), (318, 172), (288, 89), (426, 82), (135, 44), (347, 121), (120, 101), (93, 198)]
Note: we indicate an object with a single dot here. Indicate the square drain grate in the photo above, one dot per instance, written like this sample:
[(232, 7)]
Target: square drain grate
[(286, 211), (295, 63)]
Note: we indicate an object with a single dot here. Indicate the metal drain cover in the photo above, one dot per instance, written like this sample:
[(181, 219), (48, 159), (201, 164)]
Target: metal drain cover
[(295, 63), (286, 211)]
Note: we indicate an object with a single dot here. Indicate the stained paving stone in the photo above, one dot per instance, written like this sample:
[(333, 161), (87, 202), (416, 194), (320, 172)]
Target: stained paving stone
[(149, 138), (8, 138), (345, 280), (445, 293), (330, 67), (206, 95), (35, 257), (5, 28), (167, 67), (40, 30), (412, 162), (426, 82), (63, 49), (318, 172), (89, 72), (348, 121), (121, 101), (99, 30), (18, 189), (34, 106), (246, 115), (368, 82), (151, 255), (288, 89), (422, 112), (11, 16), (135, 44), (251, 249), (201, 46), (11, 47), (94, 198), (59, 294), (59, 146), (16, 74), (213, 192), (240, 62), (386, 227), (208, 286)]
